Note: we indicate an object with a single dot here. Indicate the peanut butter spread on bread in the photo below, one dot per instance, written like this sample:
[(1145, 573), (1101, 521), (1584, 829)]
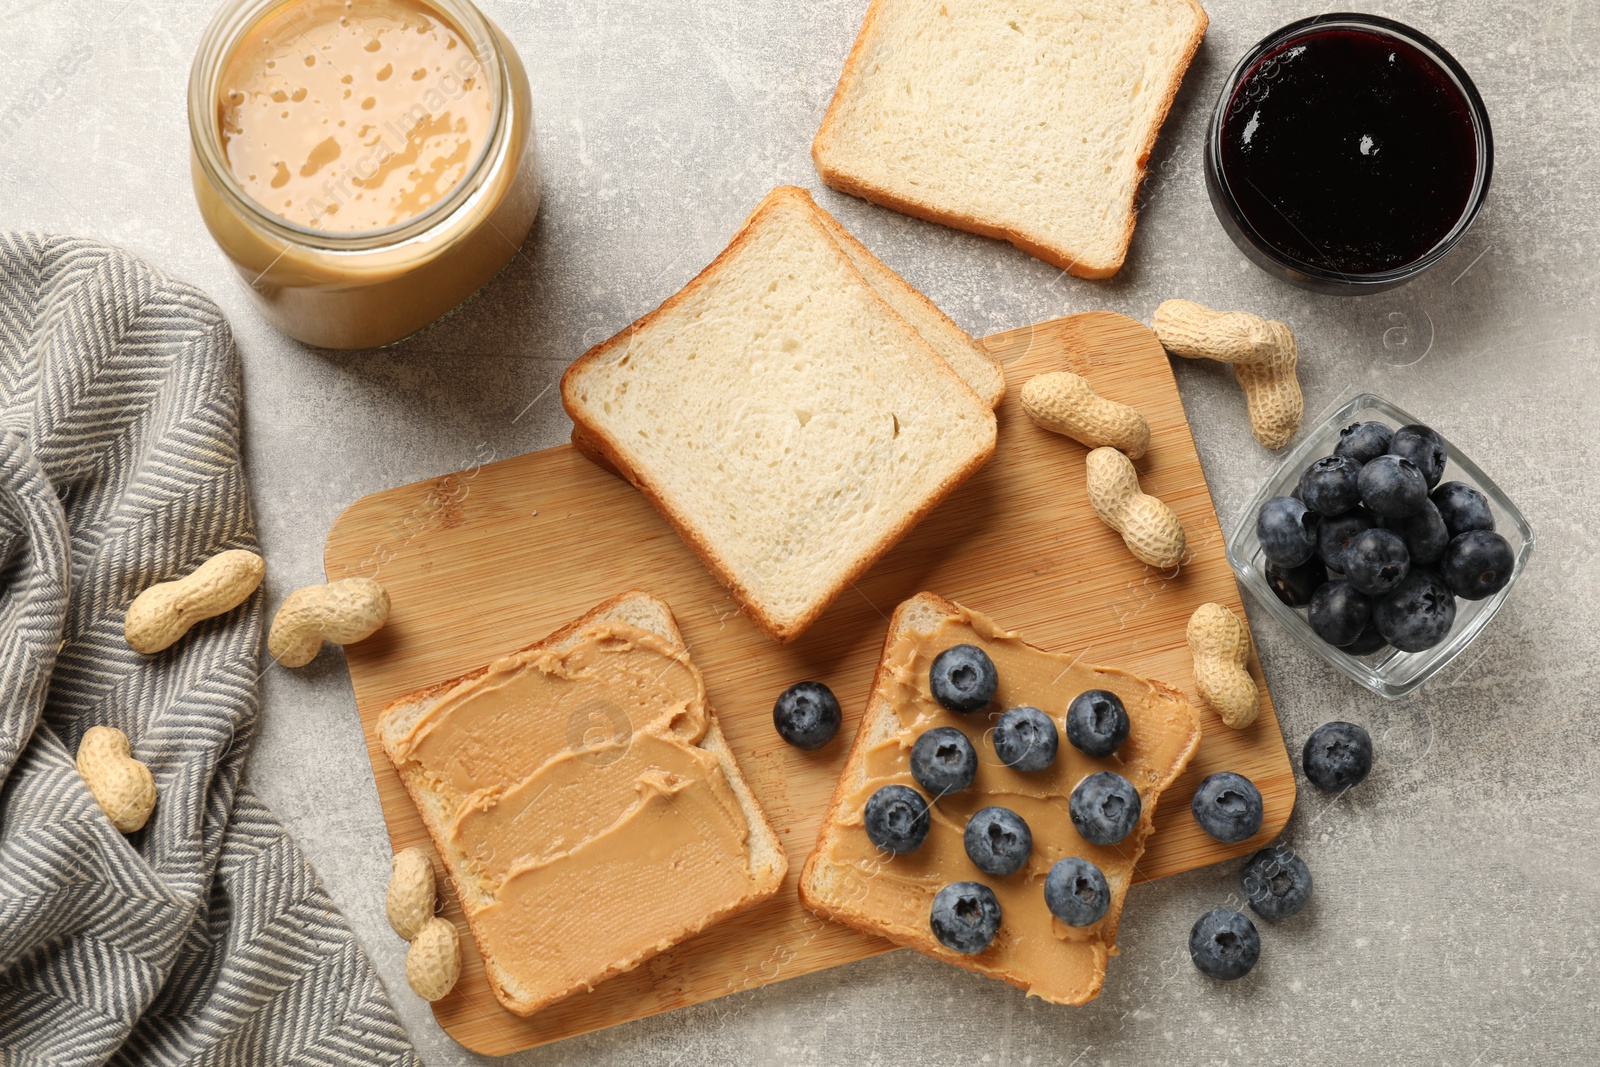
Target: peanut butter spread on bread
[(596, 828), (892, 894)]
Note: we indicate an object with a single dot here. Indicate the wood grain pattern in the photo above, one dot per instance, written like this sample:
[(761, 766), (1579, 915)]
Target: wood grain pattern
[(483, 562)]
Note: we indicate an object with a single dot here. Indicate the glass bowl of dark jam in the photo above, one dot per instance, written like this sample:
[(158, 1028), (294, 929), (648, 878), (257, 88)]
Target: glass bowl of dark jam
[(1348, 154)]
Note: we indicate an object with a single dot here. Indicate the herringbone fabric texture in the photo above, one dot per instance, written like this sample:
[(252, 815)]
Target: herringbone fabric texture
[(204, 937)]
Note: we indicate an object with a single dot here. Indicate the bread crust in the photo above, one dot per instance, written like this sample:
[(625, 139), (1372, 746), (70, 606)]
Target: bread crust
[(1062, 258), (850, 780), (714, 741), (845, 237), (592, 439)]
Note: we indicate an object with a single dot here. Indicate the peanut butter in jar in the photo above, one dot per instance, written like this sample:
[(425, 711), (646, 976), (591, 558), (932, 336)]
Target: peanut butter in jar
[(367, 165)]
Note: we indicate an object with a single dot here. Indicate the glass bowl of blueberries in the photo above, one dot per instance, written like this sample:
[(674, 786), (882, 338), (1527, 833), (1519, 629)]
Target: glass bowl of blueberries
[(1381, 545)]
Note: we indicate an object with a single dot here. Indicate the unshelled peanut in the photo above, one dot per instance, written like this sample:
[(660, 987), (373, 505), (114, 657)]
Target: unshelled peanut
[(433, 963), (1219, 641), (410, 900), (1150, 529), (1263, 353), (166, 611), (1067, 404), (122, 786), (344, 612)]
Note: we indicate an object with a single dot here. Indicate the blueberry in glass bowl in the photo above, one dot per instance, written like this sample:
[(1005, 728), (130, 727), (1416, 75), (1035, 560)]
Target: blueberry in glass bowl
[(1439, 547)]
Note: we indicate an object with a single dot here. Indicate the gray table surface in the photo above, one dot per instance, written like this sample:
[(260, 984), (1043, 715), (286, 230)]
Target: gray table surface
[(1455, 918)]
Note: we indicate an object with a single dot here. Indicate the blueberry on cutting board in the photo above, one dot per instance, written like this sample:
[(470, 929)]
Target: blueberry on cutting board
[(806, 715), (1228, 807)]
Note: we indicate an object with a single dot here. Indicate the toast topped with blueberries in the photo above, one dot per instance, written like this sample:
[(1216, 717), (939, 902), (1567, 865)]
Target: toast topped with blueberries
[(970, 825)]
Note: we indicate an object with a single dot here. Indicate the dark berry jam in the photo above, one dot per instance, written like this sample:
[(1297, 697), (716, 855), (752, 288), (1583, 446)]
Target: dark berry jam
[(1349, 151)]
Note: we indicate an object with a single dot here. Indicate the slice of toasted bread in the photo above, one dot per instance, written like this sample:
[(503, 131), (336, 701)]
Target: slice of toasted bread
[(847, 880), (1029, 122), (511, 969), (781, 415)]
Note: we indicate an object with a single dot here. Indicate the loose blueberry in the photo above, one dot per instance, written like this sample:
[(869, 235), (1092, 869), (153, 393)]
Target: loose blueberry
[(1363, 441), (1337, 756), (1097, 723), (965, 917), (1328, 486), (897, 819), (1224, 944), (1288, 531), (1463, 508), (1025, 739), (1370, 641), (943, 761), (1295, 585), (806, 715), (1478, 564), (1228, 807), (1418, 614), (1339, 613), (1277, 883), (963, 678), (1423, 447), (1424, 533), (1392, 487), (1335, 535), (1104, 807), (998, 841), (1076, 892), (1376, 561)]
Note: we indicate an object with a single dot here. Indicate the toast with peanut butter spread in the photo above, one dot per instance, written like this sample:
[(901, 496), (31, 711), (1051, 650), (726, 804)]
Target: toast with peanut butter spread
[(584, 802), (849, 880)]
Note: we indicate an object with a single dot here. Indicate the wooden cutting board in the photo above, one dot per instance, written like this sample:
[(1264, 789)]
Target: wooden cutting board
[(486, 561)]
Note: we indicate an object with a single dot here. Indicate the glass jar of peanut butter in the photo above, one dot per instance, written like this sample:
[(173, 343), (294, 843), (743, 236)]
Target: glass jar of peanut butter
[(367, 165)]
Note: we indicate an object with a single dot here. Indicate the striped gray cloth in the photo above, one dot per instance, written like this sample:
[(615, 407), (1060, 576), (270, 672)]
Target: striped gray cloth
[(205, 937)]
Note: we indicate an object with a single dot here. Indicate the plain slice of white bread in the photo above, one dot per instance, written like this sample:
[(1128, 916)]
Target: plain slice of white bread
[(838, 889), (1031, 122), (981, 373), (782, 416), (438, 805)]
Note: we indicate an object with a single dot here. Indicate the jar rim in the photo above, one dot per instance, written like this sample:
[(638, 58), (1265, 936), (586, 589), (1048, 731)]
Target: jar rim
[(227, 28), (1477, 111)]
